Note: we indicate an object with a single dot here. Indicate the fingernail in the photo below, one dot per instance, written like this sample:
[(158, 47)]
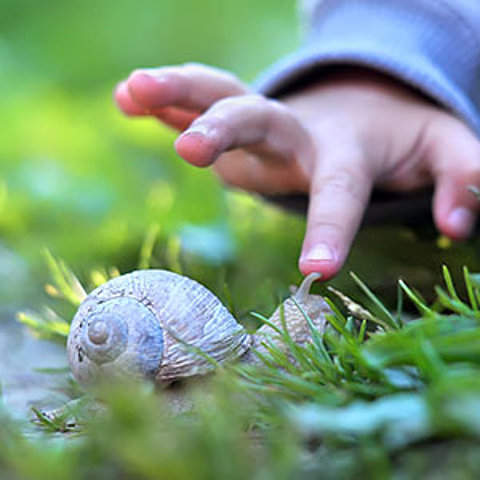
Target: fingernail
[(200, 129), (319, 252), (462, 220)]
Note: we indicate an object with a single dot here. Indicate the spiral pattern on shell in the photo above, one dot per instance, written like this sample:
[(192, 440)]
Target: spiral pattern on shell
[(152, 324)]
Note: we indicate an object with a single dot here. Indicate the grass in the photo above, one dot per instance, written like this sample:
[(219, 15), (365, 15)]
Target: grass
[(378, 395)]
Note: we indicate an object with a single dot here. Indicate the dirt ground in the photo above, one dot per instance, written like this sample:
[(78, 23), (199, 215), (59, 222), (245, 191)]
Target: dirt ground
[(22, 359)]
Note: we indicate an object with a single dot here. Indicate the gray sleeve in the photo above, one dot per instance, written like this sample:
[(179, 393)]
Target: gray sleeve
[(431, 45)]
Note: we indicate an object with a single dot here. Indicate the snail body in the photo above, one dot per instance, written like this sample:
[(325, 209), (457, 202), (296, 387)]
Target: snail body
[(162, 326)]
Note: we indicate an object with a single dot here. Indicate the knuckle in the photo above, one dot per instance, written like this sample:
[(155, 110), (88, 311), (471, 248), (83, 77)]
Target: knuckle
[(224, 106), (279, 108), (244, 101), (219, 73), (231, 78), (341, 182), (447, 133), (335, 228), (283, 118), (255, 100)]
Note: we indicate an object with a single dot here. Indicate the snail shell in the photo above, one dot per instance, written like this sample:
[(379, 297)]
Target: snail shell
[(291, 315), (152, 324)]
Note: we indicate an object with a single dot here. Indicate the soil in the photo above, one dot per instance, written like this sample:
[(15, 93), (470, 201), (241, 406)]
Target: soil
[(22, 359)]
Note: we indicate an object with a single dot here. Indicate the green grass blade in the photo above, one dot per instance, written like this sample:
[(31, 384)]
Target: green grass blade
[(449, 283), (316, 336), (66, 282), (399, 307), (453, 304), (388, 318), (146, 250), (470, 289), (415, 298), (266, 321)]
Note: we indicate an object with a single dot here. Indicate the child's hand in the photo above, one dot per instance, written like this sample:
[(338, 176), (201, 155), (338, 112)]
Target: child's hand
[(336, 139)]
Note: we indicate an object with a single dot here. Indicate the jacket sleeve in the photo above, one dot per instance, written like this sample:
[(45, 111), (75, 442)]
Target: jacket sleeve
[(431, 45)]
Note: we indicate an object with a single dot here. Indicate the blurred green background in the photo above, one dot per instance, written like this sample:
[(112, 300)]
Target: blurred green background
[(87, 183)]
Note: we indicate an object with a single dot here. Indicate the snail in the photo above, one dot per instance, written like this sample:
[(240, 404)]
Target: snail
[(153, 324)]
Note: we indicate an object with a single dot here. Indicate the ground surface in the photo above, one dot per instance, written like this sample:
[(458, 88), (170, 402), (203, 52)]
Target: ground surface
[(21, 358)]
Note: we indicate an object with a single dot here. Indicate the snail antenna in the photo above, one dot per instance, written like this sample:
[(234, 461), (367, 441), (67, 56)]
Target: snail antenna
[(304, 290)]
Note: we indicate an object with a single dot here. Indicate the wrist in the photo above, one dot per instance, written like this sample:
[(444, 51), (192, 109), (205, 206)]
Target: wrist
[(345, 77)]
